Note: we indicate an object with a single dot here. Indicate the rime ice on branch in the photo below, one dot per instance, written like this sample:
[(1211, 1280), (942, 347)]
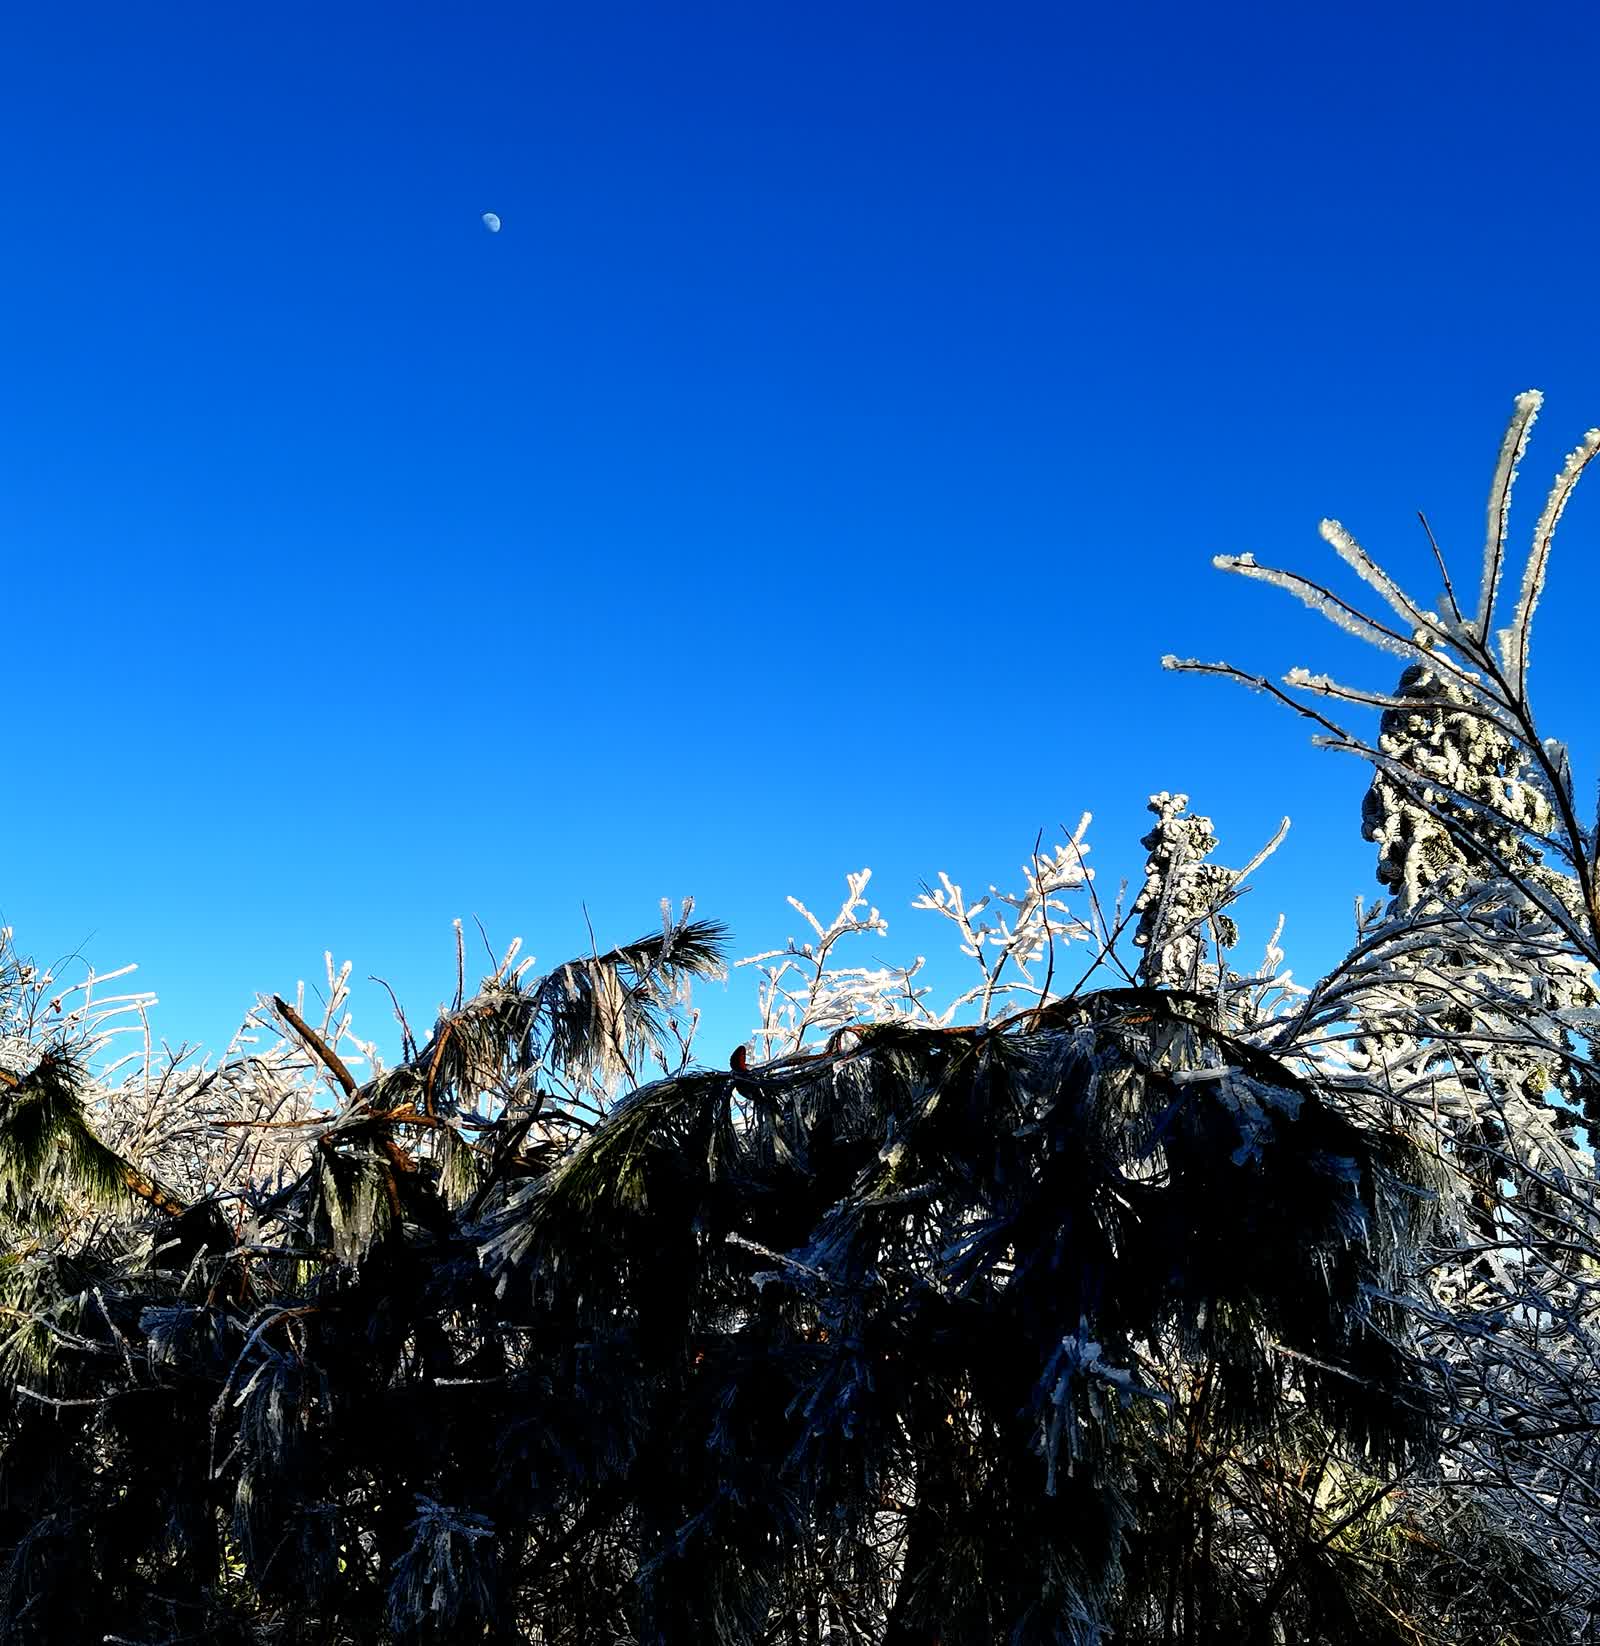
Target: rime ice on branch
[(1181, 902)]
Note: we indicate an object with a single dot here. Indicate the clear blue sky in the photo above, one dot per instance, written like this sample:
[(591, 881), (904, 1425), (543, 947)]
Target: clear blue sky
[(810, 475)]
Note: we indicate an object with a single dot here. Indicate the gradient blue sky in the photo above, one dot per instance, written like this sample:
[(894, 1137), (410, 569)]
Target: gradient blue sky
[(810, 475)]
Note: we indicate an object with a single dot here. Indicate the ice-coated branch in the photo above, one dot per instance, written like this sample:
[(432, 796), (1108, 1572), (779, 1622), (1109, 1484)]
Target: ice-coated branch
[(1514, 639), (1340, 612), (1357, 558), (1524, 411)]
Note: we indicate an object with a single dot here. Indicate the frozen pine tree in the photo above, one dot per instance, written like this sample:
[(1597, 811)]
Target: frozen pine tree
[(1442, 739), (1468, 1004), (1181, 902)]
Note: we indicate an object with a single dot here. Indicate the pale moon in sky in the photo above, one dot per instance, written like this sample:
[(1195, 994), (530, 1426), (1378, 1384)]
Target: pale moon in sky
[(491, 222)]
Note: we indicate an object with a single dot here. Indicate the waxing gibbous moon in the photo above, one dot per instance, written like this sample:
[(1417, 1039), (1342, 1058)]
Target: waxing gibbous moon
[(491, 222)]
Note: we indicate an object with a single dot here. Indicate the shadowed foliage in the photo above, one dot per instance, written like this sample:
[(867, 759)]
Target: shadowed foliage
[(933, 1336)]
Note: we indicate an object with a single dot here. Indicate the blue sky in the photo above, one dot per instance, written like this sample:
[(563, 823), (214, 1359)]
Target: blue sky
[(811, 474)]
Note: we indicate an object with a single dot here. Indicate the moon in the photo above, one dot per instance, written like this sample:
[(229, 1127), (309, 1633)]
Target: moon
[(491, 222)]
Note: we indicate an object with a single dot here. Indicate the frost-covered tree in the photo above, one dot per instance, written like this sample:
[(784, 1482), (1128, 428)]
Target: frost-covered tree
[(1182, 898), (1468, 1006), (998, 1331), (1435, 840), (1199, 1307)]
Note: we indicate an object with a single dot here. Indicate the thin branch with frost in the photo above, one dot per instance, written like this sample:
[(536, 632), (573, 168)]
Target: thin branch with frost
[(1338, 611), (801, 993), (805, 995), (1524, 411), (1514, 639), (1368, 570), (1461, 1008)]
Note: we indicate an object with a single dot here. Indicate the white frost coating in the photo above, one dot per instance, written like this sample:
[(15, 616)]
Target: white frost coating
[(1328, 605), (1015, 940), (1514, 640), (1182, 899), (1197, 665), (1472, 701), (1505, 474), (1372, 574)]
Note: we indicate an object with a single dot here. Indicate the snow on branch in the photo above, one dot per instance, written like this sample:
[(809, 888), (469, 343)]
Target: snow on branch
[(1525, 410), (1514, 639)]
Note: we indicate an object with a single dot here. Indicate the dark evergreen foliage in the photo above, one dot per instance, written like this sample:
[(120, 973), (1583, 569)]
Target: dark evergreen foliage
[(927, 1337)]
